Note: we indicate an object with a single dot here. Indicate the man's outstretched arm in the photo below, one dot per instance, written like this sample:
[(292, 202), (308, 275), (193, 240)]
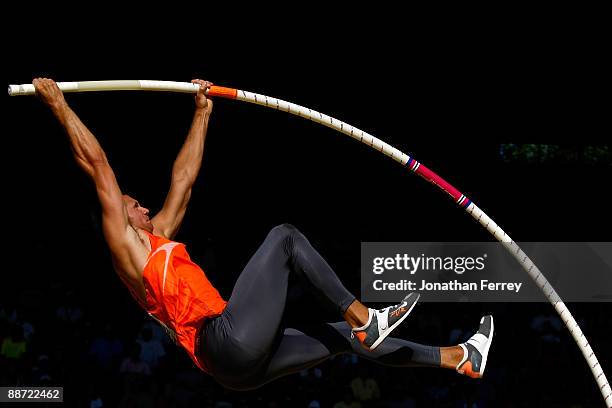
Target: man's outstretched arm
[(186, 167), (91, 158)]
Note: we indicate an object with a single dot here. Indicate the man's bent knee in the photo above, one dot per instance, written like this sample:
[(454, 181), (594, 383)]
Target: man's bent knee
[(284, 229), (285, 235)]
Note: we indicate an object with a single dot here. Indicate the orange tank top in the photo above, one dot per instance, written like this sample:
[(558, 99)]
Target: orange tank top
[(179, 295)]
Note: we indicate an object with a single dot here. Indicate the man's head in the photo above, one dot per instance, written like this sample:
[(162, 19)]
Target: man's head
[(137, 216)]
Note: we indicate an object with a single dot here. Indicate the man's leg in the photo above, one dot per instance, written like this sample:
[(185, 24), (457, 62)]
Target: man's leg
[(309, 346), (238, 346), (256, 306)]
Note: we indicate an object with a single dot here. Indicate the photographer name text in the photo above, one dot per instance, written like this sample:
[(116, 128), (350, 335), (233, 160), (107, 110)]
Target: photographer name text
[(449, 286)]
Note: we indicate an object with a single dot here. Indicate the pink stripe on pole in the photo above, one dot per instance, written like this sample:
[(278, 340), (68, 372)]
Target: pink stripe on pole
[(433, 178)]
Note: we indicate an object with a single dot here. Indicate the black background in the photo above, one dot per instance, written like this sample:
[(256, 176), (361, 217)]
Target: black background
[(447, 94)]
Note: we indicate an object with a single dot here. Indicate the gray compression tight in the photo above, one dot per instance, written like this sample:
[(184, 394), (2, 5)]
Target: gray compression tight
[(247, 345)]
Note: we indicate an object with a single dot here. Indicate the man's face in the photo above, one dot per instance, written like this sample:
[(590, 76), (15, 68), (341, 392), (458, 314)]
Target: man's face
[(137, 216)]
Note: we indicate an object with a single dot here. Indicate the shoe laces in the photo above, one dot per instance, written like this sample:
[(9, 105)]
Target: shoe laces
[(386, 309)]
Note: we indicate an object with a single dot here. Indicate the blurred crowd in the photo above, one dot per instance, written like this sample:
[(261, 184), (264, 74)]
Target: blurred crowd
[(126, 360)]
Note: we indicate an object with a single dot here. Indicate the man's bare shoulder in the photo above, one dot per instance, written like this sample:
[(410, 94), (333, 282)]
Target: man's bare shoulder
[(130, 252), (129, 258)]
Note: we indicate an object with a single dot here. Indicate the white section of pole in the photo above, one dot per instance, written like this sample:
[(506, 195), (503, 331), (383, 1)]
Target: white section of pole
[(92, 86)]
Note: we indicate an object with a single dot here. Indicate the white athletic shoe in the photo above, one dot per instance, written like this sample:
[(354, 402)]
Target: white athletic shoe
[(476, 350), (382, 322)]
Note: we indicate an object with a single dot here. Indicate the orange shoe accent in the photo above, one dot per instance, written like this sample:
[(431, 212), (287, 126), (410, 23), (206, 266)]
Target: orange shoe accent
[(397, 312), (361, 335), (229, 93), (468, 370)]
